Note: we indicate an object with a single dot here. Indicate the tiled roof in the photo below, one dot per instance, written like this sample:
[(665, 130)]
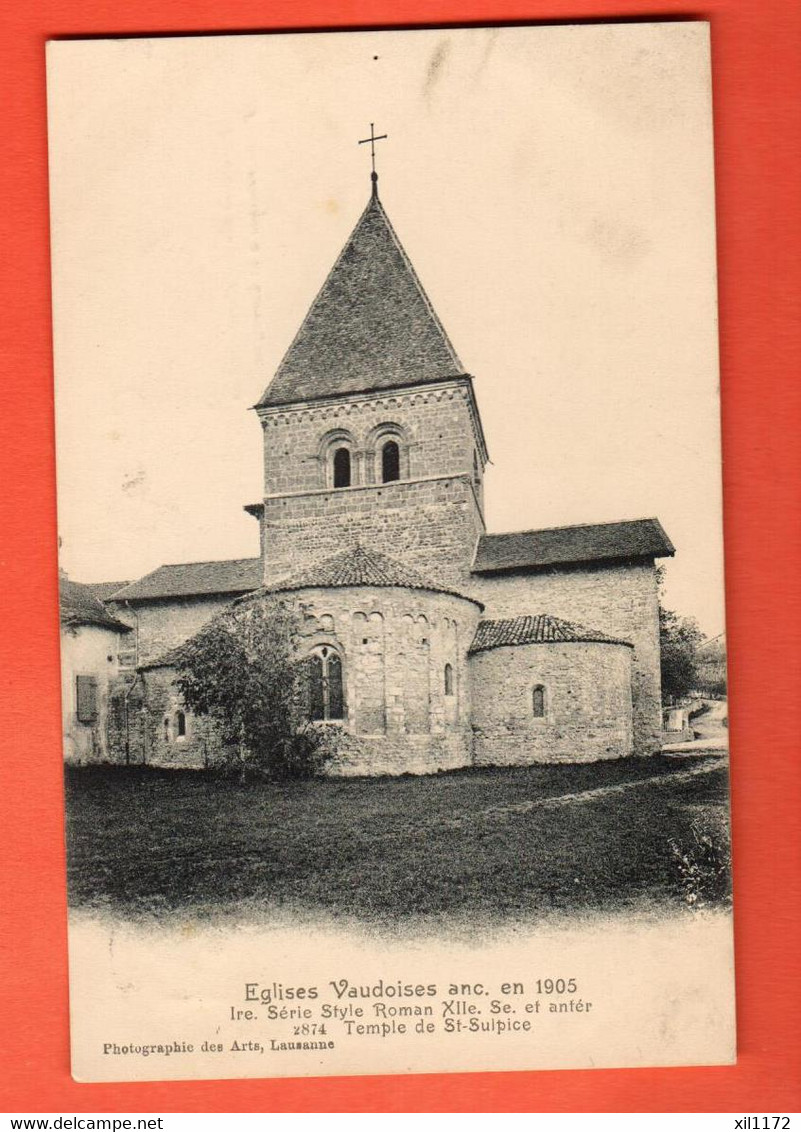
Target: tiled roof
[(104, 590), (370, 327), (352, 567), (359, 567), (195, 579), (538, 629), (557, 546), (79, 606)]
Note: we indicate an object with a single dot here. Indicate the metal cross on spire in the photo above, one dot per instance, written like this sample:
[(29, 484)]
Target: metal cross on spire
[(373, 138)]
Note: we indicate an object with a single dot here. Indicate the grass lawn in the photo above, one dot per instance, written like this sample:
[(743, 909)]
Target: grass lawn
[(142, 841)]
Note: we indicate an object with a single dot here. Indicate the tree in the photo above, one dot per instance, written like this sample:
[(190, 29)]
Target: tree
[(242, 670), (679, 638), (712, 666)]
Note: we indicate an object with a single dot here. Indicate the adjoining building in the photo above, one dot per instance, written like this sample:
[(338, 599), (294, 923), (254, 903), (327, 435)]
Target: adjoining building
[(92, 642)]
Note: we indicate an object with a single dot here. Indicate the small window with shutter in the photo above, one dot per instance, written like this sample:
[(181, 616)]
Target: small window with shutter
[(86, 698)]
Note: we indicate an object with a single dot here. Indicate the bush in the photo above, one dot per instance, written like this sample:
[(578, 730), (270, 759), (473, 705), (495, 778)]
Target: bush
[(704, 865), (242, 671)]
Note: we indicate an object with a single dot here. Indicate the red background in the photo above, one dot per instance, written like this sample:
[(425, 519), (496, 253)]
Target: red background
[(756, 49)]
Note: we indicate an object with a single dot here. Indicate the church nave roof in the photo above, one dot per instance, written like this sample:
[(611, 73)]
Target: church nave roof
[(194, 579), (561, 546)]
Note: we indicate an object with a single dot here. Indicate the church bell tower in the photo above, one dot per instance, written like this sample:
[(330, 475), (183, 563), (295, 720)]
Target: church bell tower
[(371, 429)]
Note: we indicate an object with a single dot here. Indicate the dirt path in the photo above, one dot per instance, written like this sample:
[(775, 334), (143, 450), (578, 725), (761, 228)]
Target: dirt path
[(513, 809), (710, 725), (713, 733)]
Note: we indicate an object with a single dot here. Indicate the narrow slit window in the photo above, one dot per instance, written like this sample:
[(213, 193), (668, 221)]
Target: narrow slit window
[(342, 467), (166, 730), (335, 698), (538, 701), (180, 724), (448, 680), (390, 462), (316, 700)]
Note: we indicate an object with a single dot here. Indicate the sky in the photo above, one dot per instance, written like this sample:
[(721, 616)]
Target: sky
[(553, 187)]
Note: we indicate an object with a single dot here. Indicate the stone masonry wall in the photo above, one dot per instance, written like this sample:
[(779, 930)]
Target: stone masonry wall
[(434, 513), (198, 748), (164, 624), (434, 425), (143, 706), (144, 727), (431, 525), (394, 645), (617, 599), (588, 712)]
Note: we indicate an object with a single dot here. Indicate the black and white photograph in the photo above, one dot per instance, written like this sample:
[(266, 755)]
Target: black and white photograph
[(395, 721)]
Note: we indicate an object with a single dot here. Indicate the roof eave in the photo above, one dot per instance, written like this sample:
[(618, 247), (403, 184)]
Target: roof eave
[(559, 563), (134, 598), (297, 588), (529, 644), (664, 535), (477, 418), (374, 390), (97, 623)]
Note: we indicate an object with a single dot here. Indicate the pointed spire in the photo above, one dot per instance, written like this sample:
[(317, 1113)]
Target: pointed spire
[(371, 325)]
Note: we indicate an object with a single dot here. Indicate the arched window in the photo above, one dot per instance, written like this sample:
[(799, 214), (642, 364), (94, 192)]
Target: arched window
[(326, 697), (390, 462), (180, 725), (448, 680), (342, 467), (538, 701)]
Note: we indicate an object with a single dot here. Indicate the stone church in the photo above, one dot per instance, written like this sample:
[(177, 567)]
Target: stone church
[(432, 643)]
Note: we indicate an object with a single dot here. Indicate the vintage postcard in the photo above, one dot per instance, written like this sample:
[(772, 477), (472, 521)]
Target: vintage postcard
[(393, 641)]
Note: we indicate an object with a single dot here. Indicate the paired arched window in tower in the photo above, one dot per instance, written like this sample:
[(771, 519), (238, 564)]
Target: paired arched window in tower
[(390, 462), (326, 690), (346, 460), (341, 467)]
